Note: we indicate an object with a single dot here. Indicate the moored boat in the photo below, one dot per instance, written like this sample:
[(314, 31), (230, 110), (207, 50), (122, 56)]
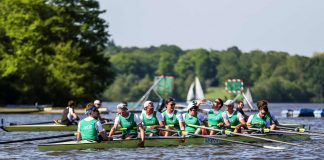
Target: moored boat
[(165, 142), (19, 110), (46, 127)]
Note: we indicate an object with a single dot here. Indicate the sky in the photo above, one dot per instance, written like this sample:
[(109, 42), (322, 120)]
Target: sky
[(293, 26)]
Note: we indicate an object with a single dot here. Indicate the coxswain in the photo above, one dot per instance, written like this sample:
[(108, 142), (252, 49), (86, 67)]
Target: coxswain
[(193, 117), (128, 121), (90, 128), (69, 117), (172, 118)]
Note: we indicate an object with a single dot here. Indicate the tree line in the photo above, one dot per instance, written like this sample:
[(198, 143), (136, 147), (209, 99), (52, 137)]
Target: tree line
[(273, 75)]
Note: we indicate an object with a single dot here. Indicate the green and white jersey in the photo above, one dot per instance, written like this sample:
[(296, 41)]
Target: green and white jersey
[(150, 120), (195, 120), (214, 118), (89, 128), (234, 118), (172, 119), (129, 123), (258, 122)]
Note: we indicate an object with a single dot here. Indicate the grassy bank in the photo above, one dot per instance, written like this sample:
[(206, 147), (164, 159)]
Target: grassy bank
[(218, 92)]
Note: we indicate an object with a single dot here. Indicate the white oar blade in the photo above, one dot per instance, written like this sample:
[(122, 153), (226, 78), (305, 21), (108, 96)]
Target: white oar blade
[(275, 147)]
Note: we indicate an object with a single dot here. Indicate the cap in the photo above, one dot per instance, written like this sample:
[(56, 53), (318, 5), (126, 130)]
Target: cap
[(122, 106), (229, 102), (192, 104), (88, 111), (97, 102), (146, 103)]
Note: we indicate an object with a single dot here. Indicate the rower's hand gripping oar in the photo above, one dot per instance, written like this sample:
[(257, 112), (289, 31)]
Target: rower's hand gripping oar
[(245, 135), (227, 140), (38, 138)]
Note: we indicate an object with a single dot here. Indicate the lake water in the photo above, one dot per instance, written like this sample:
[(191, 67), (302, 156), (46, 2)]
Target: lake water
[(312, 149)]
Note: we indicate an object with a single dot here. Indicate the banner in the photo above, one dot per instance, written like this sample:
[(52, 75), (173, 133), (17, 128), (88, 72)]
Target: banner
[(234, 86), (165, 85)]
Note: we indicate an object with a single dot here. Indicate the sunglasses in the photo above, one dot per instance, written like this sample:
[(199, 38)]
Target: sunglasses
[(172, 104)]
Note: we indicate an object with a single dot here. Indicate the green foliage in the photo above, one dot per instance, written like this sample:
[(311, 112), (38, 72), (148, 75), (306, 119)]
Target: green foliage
[(272, 75), (51, 50)]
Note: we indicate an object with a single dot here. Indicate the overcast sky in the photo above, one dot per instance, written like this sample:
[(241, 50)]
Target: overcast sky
[(294, 26)]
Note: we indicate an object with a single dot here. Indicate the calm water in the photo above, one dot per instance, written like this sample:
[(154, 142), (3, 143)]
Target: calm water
[(312, 149)]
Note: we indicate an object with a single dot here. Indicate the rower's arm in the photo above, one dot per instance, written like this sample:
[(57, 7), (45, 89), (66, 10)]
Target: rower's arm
[(182, 126), (241, 118), (142, 134), (248, 123), (78, 136), (160, 119), (161, 123), (74, 115), (103, 135), (78, 133), (112, 130), (225, 120)]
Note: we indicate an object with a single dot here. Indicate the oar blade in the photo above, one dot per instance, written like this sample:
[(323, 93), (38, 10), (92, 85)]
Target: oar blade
[(274, 147)]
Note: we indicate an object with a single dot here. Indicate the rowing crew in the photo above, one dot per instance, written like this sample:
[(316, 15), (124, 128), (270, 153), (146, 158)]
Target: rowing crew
[(148, 122)]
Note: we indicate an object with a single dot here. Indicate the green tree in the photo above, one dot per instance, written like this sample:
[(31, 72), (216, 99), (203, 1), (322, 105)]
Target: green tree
[(53, 50)]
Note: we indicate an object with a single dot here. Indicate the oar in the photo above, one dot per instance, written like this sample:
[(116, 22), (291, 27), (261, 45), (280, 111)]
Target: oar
[(38, 138), (299, 130), (32, 123), (288, 132), (228, 140), (246, 135)]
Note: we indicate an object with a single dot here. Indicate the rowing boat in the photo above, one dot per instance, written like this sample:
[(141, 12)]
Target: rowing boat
[(292, 125), (46, 127), (165, 142)]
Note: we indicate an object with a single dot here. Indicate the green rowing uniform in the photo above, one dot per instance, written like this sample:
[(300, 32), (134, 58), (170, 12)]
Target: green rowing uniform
[(191, 120), (147, 122), (171, 121), (233, 119), (128, 123), (262, 122), (214, 118), (88, 130)]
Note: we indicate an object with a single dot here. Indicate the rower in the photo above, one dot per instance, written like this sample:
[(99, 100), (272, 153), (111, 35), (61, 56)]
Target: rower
[(195, 118), (90, 128), (172, 118), (239, 108), (128, 121), (215, 119), (233, 118), (273, 120), (151, 119), (69, 117), (98, 104), (259, 120)]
